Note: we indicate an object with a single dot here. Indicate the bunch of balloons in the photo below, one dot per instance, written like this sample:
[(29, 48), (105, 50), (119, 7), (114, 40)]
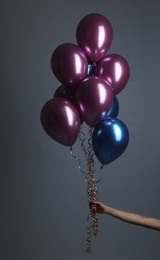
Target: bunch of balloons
[(90, 82)]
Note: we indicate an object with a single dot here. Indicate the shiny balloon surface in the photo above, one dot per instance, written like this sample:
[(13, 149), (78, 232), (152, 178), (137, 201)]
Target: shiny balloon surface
[(91, 69), (115, 70), (69, 64), (94, 36), (94, 99), (60, 120), (68, 94), (114, 110), (65, 92), (110, 139)]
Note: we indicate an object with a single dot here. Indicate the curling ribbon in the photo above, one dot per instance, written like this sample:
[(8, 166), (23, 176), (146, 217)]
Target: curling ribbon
[(92, 189)]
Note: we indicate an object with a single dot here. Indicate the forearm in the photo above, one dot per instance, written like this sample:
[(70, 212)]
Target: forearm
[(133, 218)]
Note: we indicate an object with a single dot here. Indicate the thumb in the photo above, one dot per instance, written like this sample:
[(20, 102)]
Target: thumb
[(94, 202)]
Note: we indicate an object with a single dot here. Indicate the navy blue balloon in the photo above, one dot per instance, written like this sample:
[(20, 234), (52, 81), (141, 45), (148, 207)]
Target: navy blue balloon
[(110, 139), (114, 110), (91, 69)]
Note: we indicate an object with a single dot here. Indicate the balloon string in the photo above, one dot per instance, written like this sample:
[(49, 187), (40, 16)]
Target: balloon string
[(76, 158), (100, 173), (89, 234), (92, 189), (82, 138)]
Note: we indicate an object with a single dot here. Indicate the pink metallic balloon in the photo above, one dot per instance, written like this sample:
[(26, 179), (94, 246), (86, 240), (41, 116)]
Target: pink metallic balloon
[(94, 99), (69, 64), (94, 36), (115, 70), (60, 120), (68, 94)]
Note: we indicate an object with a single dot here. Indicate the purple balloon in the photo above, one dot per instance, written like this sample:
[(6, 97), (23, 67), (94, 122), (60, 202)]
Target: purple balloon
[(94, 36), (94, 99), (69, 64), (60, 120), (115, 70), (66, 93)]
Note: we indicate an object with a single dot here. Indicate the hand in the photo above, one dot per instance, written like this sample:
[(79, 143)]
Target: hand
[(97, 207)]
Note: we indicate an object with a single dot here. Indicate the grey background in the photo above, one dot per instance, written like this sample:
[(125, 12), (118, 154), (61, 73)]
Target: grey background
[(43, 194)]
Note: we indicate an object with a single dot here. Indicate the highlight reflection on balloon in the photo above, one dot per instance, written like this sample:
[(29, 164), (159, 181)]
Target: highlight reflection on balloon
[(115, 70), (114, 110), (94, 36), (60, 120), (110, 139), (94, 99), (69, 64), (91, 69)]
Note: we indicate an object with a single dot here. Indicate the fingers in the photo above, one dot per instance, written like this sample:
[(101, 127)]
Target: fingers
[(93, 206), (94, 209), (93, 202)]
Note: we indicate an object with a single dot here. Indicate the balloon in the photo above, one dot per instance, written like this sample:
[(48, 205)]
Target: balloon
[(66, 93), (91, 69), (94, 99), (110, 139), (94, 36), (113, 112), (115, 70), (69, 64), (60, 120)]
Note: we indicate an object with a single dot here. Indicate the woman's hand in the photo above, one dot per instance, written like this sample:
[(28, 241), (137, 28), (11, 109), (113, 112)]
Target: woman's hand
[(97, 207)]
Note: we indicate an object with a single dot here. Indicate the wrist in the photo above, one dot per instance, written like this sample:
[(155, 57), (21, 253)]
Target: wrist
[(107, 209)]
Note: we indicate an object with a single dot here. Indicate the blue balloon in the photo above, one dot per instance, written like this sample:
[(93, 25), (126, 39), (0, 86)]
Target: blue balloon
[(91, 69), (114, 110), (110, 139)]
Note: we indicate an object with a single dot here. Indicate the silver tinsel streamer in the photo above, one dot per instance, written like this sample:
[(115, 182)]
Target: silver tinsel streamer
[(92, 192)]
